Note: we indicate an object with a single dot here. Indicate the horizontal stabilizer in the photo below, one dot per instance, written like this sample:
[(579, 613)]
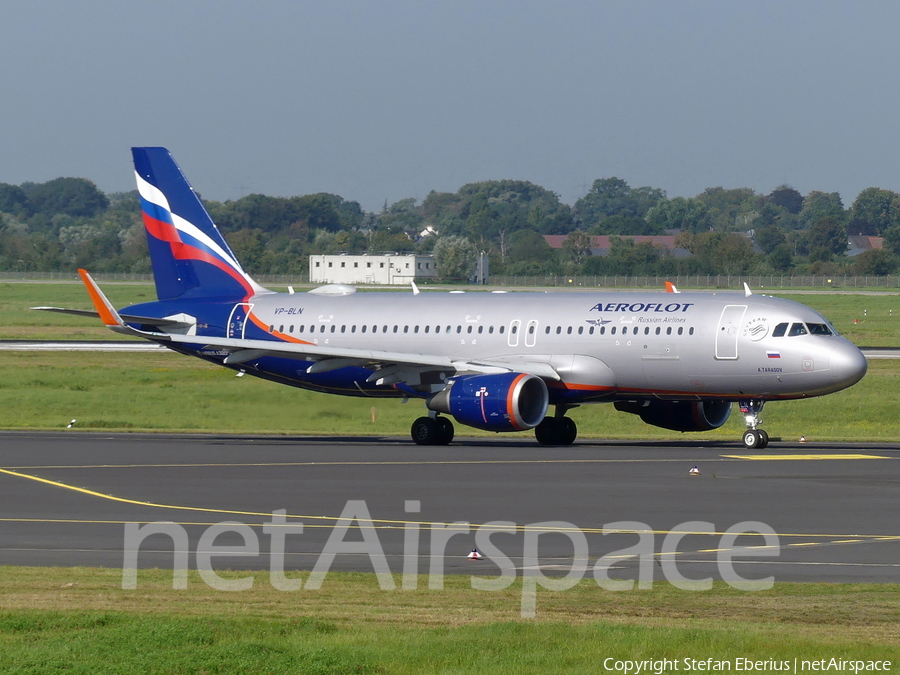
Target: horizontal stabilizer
[(128, 318)]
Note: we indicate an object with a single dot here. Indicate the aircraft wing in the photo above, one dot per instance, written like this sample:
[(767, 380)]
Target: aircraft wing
[(389, 366)]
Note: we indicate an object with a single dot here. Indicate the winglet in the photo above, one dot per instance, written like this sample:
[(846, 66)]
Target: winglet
[(747, 291), (108, 314), (670, 288), (415, 289)]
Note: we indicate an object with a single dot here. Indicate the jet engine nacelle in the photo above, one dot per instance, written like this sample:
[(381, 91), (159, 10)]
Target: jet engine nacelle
[(679, 415), (503, 402)]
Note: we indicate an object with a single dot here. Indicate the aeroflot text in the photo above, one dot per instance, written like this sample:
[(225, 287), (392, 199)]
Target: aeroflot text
[(741, 664), (642, 307)]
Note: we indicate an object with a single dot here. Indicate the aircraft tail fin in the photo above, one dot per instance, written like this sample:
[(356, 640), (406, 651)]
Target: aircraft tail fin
[(190, 258)]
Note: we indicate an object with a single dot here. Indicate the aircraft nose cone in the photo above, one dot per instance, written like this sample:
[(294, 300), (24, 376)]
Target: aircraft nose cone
[(848, 365)]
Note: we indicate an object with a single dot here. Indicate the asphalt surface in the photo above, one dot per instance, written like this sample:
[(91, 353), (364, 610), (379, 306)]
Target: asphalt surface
[(65, 499)]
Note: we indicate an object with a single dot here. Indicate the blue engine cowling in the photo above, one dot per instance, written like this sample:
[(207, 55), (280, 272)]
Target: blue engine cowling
[(505, 402), (679, 415)]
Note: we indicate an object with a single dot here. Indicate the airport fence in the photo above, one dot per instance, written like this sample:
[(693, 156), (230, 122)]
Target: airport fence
[(722, 281)]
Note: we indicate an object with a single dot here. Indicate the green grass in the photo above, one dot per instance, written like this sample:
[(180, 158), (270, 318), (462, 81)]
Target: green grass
[(170, 392), (80, 620), (17, 322)]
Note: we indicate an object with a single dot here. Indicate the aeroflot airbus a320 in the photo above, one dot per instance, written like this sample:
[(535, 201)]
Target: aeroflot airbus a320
[(494, 361)]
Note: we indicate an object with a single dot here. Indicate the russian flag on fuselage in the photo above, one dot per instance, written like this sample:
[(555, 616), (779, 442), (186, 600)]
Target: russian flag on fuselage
[(190, 258)]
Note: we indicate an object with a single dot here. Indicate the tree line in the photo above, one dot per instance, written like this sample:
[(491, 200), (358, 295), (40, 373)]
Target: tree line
[(68, 223)]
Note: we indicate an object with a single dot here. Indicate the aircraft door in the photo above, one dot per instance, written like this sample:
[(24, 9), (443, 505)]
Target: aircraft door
[(531, 333), (514, 327), (728, 331), (238, 319)]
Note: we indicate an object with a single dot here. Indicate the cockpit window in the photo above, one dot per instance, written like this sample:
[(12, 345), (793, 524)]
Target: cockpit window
[(797, 329), (780, 330), (819, 329)]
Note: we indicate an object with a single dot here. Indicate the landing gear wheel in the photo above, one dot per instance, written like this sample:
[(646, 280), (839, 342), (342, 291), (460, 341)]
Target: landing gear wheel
[(566, 431), (444, 431), (753, 439), (424, 431), (765, 438), (556, 431), (545, 432)]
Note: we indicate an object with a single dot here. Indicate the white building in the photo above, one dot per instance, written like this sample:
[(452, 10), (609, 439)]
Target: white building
[(387, 268)]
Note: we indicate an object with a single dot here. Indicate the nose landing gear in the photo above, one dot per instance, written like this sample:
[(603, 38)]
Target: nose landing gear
[(754, 438)]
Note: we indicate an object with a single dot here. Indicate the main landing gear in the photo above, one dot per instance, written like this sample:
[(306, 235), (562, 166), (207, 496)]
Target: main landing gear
[(557, 430), (432, 430), (754, 438)]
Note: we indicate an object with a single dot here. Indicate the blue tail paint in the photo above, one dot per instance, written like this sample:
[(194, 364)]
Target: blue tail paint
[(189, 256)]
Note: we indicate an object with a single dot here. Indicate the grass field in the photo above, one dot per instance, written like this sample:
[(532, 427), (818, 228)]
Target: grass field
[(80, 620), (170, 392)]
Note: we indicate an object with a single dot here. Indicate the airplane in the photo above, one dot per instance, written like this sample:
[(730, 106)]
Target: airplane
[(490, 360)]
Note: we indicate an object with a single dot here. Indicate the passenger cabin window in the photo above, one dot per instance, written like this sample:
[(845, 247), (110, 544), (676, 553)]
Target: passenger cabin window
[(502, 328), (819, 329), (797, 329), (780, 330)]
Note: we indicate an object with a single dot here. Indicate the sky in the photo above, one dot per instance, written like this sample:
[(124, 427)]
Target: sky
[(381, 101)]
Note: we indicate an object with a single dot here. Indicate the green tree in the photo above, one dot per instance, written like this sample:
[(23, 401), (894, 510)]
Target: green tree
[(14, 200), (781, 257), (892, 239), (877, 262), (874, 211), (821, 205), (769, 237), (577, 247), (455, 257), (827, 238), (690, 215), (613, 197), (720, 252), (787, 198), (723, 206), (69, 196)]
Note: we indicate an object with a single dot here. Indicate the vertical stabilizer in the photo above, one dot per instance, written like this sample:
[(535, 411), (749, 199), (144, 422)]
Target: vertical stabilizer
[(189, 256)]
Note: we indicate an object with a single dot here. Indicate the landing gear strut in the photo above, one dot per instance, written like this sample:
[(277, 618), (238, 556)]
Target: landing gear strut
[(754, 438), (432, 430), (557, 430)]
